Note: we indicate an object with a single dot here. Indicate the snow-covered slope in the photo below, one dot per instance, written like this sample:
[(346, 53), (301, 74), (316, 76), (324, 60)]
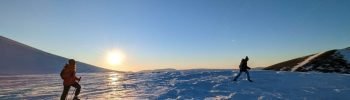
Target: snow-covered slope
[(330, 61), (306, 61), (182, 85), (345, 54), (18, 58)]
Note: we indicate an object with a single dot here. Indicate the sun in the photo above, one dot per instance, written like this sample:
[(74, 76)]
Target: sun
[(115, 57)]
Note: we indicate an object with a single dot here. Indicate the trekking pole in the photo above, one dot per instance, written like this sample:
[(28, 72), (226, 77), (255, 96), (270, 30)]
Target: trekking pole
[(73, 93)]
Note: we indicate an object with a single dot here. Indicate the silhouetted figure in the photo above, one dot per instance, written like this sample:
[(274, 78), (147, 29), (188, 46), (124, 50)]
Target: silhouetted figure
[(243, 67), (69, 79)]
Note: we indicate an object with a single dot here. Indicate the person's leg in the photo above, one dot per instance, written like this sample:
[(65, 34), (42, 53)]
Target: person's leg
[(248, 75), (77, 91), (65, 92), (237, 76)]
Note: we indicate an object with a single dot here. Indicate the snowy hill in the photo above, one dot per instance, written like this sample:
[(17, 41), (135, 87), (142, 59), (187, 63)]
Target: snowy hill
[(182, 85), (18, 58), (330, 61)]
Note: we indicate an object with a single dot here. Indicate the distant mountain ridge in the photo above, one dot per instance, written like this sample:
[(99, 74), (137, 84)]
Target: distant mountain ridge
[(18, 58), (337, 60)]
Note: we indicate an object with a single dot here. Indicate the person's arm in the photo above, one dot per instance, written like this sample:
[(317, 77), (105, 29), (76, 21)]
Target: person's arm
[(75, 77)]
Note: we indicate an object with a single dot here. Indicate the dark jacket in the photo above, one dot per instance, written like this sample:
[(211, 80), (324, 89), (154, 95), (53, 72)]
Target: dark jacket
[(243, 66)]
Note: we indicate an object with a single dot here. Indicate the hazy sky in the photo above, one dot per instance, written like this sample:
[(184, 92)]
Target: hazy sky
[(179, 34)]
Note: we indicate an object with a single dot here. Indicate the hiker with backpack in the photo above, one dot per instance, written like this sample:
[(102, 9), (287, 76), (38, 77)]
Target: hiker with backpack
[(69, 79), (243, 67)]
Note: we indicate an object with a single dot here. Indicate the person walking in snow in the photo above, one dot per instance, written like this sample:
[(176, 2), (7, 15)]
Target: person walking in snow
[(69, 79), (243, 67)]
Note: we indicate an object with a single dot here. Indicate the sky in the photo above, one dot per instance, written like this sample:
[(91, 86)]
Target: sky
[(180, 34)]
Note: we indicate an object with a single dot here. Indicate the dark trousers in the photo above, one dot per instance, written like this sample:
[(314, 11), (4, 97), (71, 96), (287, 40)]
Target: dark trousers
[(66, 90), (239, 74)]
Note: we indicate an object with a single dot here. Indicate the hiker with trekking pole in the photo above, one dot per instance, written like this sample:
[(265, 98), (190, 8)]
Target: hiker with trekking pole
[(69, 79)]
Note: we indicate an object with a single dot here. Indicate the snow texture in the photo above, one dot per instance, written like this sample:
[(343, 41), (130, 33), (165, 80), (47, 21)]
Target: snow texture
[(305, 61), (185, 84)]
